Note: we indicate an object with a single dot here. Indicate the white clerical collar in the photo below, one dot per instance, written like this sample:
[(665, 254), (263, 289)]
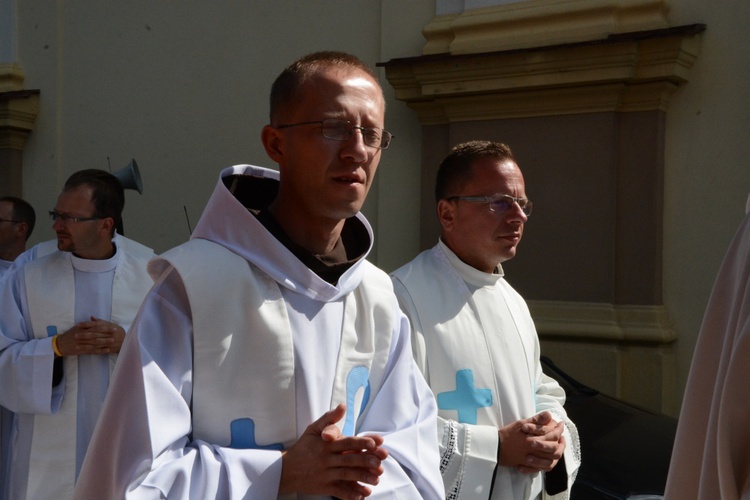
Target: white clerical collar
[(469, 273), (95, 265)]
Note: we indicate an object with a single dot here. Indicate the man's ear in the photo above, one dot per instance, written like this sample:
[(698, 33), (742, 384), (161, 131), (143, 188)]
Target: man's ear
[(272, 140), (446, 214), (22, 229), (108, 224)]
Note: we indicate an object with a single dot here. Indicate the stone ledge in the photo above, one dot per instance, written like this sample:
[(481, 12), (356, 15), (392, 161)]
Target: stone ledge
[(628, 72), (11, 77), (602, 322), (540, 22), (18, 111)]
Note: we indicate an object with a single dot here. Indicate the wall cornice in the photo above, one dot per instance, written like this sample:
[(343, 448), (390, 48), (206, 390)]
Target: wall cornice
[(11, 77), (540, 22), (626, 72), (18, 110)]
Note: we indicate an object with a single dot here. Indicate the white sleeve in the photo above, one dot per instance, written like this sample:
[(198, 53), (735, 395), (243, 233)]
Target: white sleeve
[(404, 413), (26, 363), (551, 397), (142, 446)]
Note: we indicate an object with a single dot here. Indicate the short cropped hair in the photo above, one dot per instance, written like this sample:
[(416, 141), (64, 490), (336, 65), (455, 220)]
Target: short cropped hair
[(108, 194), (22, 212), (455, 169), (285, 89)]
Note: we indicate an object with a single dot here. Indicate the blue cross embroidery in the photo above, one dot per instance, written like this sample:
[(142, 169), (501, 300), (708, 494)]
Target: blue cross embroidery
[(357, 378), (243, 429), (243, 436), (465, 399)]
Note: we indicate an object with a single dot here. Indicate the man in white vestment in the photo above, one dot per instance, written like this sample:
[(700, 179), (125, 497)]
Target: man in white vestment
[(63, 317), (504, 434), (271, 359), (711, 454), (17, 219)]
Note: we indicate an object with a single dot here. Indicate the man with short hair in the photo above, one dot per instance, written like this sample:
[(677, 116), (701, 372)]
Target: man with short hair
[(271, 359), (63, 317), (501, 421), (17, 219)]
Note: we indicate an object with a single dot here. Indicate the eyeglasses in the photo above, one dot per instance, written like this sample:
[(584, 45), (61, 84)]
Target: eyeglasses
[(342, 130), (67, 218), (499, 203), (10, 220)]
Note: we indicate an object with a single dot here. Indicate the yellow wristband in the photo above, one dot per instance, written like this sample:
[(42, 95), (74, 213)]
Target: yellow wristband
[(56, 349)]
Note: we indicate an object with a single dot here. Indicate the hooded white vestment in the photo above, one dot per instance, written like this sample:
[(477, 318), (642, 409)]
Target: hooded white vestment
[(229, 364)]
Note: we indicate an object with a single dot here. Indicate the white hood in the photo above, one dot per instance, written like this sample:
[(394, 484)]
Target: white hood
[(228, 222)]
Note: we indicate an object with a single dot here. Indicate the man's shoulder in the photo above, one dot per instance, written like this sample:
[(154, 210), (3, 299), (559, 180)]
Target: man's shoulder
[(134, 248), (44, 254), (196, 248), (185, 256), (39, 250), (421, 267), (373, 277)]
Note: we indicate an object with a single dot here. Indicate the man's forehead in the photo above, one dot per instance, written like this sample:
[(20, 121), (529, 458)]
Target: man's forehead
[(496, 167), (341, 81), (79, 195), (494, 173), (344, 75)]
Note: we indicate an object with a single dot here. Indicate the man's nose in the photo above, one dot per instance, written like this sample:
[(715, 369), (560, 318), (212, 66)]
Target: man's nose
[(354, 147)]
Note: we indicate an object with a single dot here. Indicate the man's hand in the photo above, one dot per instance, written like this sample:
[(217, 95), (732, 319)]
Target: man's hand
[(533, 444), (324, 462), (91, 337)]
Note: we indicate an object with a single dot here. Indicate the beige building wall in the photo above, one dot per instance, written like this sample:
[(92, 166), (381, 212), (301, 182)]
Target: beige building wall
[(182, 87), (707, 157)]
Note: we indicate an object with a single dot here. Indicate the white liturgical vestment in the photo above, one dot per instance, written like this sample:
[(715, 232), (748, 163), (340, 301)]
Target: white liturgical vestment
[(46, 296), (475, 342), (4, 266), (238, 348), (711, 454)]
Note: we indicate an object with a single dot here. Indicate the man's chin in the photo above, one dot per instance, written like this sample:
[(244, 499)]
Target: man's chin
[(507, 255)]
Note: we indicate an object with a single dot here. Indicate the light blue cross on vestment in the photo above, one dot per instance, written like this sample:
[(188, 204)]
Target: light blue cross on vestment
[(465, 399), (243, 436), (242, 430), (357, 378)]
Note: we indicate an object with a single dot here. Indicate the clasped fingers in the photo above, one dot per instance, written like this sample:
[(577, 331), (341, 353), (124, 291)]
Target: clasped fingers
[(92, 337)]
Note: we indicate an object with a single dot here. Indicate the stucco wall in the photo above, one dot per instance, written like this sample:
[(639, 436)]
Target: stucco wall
[(182, 87), (707, 177)]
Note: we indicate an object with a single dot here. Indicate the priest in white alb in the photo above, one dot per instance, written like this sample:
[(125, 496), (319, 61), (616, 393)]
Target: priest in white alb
[(504, 434), (63, 317)]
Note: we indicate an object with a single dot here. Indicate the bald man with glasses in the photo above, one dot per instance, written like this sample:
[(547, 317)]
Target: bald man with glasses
[(63, 316), (503, 432)]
